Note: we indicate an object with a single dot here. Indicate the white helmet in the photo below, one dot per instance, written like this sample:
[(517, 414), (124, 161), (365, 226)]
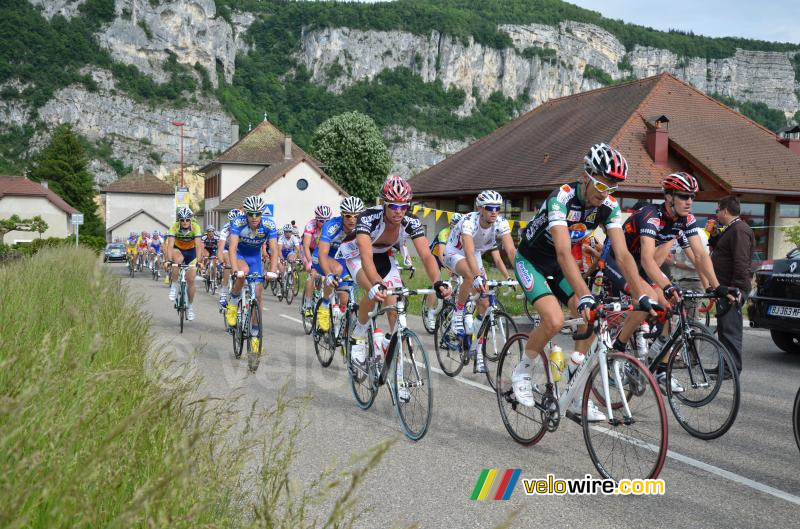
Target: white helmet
[(455, 219), (489, 198), (287, 228), (351, 205), (232, 214), (253, 203), (322, 212), (185, 213)]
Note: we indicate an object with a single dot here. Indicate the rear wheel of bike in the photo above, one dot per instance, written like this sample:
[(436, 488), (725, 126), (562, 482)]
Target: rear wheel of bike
[(627, 446), (237, 330), (295, 283), (495, 334), (532, 315), (708, 405), (323, 345), (447, 346), (413, 373), (796, 419), (182, 303), (274, 287), (525, 425), (361, 379), (253, 334), (288, 288)]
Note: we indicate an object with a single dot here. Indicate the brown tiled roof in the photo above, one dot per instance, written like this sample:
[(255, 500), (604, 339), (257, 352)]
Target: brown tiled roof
[(144, 183), (260, 181), (546, 146), (264, 145), (21, 186)]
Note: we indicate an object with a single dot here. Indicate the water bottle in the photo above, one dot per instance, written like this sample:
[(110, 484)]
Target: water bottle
[(377, 343), (336, 315), (641, 343), (385, 344), (597, 286), (575, 362), (557, 363)]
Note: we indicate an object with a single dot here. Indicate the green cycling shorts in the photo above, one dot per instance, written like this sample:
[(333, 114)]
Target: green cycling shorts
[(535, 284)]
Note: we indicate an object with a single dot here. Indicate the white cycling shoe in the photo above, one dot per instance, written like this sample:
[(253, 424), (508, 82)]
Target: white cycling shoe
[(593, 414), (523, 387)]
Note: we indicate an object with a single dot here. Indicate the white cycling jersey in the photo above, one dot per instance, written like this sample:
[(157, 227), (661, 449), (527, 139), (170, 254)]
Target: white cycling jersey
[(484, 239)]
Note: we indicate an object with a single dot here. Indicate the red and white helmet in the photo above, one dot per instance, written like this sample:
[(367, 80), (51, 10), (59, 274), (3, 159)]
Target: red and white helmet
[(322, 212), (604, 160), (396, 189), (680, 181)]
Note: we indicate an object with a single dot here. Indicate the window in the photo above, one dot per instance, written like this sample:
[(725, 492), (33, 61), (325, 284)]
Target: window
[(789, 210), (302, 184), (512, 208), (756, 216)]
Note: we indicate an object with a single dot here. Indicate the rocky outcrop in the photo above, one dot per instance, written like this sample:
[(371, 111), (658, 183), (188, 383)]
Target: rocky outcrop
[(51, 8), (413, 151)]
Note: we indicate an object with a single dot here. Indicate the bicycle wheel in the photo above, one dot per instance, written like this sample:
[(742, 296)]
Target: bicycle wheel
[(412, 372), (236, 332), (182, 304), (362, 380), (525, 425), (796, 419), (295, 283), (628, 445), (254, 333), (430, 329), (274, 287), (532, 315), (447, 346), (288, 292), (494, 333), (708, 405), (323, 345)]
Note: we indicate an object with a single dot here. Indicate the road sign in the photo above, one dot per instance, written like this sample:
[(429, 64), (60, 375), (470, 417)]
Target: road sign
[(269, 210), (77, 219), (181, 196)]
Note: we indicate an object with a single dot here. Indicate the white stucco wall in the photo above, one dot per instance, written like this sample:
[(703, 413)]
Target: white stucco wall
[(139, 223), (27, 207), (291, 203), (779, 246), (122, 205), (232, 176)]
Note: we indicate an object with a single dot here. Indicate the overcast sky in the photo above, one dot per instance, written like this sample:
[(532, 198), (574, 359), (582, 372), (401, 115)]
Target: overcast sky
[(775, 20)]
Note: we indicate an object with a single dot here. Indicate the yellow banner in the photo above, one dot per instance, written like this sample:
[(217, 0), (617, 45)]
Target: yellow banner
[(425, 211), (415, 209), (438, 213), (449, 217), (522, 224), (511, 225)]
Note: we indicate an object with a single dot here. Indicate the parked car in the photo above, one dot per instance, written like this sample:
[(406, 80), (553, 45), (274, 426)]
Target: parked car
[(775, 302), (114, 252)]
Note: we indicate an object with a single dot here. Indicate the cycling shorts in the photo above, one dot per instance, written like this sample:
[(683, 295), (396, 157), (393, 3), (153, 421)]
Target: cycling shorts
[(384, 264), (452, 259), (189, 256), (612, 271), (286, 252), (536, 285), (254, 263)]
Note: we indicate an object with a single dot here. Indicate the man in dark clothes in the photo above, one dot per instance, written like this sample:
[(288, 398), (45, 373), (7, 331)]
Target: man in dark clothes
[(731, 258)]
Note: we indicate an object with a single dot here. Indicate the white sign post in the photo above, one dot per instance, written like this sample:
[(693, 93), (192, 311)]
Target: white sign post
[(77, 220)]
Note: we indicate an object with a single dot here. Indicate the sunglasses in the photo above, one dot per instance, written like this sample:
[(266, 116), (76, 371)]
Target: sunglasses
[(685, 196), (349, 216), (254, 213), (185, 220), (492, 209), (398, 207), (600, 186)]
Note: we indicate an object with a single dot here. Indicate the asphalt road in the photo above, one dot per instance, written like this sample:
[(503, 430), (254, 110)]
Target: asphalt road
[(748, 478)]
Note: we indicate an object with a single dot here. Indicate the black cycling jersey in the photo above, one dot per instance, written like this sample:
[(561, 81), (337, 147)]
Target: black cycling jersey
[(371, 223), (210, 243), (564, 207), (652, 221)]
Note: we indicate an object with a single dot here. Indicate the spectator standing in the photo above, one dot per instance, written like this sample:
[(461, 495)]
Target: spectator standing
[(732, 257)]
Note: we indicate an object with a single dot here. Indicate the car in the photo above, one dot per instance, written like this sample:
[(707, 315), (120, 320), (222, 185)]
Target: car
[(114, 252), (775, 302)]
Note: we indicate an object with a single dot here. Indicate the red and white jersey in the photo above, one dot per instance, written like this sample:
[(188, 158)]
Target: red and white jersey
[(314, 231)]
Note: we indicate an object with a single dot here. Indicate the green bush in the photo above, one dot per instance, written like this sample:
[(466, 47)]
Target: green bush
[(758, 112), (596, 74)]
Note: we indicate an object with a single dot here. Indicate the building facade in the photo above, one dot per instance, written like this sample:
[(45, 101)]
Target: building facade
[(138, 202), (26, 199)]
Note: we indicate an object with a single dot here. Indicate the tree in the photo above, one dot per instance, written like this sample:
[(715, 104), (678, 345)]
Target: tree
[(64, 164), (792, 234), (14, 223), (353, 152)]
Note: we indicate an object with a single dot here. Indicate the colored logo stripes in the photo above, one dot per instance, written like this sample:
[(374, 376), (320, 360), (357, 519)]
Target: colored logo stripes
[(495, 484)]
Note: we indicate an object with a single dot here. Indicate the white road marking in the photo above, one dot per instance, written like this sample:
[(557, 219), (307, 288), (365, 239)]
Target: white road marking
[(291, 318)]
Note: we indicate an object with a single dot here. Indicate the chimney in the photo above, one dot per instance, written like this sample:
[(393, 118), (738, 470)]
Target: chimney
[(790, 138), (141, 170), (658, 139), (45, 184), (287, 148)]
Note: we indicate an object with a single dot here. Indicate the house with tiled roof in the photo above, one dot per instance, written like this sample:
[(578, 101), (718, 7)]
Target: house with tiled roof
[(26, 199), (139, 201), (661, 125), (266, 162)]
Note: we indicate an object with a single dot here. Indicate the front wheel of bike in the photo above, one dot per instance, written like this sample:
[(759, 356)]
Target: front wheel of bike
[(323, 345), (288, 290), (425, 310), (796, 419), (632, 442), (494, 333), (411, 385), (236, 331), (295, 283), (254, 333), (526, 425)]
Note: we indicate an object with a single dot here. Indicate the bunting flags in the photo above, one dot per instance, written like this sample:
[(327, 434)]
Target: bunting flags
[(415, 209)]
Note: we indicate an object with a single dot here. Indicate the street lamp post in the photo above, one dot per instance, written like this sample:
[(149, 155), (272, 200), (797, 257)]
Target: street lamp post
[(180, 124)]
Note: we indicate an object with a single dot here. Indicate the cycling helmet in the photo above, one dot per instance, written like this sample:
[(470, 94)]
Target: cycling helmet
[(322, 212), (287, 228), (184, 213), (133, 234), (489, 198), (680, 182), (156, 233), (351, 205), (253, 203), (456, 218), (232, 214), (210, 227), (396, 189), (606, 161)]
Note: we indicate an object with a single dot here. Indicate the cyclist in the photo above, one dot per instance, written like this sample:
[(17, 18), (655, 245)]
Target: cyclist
[(333, 233), (224, 258), (547, 271), (310, 239), (185, 236), (658, 226), (289, 246), (210, 242), (155, 248), (475, 234), (130, 248), (368, 255), (249, 233), (142, 244), (437, 249)]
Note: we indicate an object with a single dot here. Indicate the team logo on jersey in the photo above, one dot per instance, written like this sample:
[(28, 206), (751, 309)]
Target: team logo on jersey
[(525, 278), (577, 232), (573, 215), (655, 221), (591, 216), (333, 229)]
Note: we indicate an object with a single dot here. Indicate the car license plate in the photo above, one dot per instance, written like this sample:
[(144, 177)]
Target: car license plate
[(786, 312)]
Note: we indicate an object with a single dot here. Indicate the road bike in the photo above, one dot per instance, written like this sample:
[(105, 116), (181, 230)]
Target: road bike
[(182, 295), (454, 351), (632, 442), (308, 317), (404, 367), (455, 283), (326, 342), (289, 282), (248, 328), (155, 267), (210, 275)]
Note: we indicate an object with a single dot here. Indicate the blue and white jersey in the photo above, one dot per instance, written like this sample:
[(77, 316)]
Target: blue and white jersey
[(250, 240), (333, 233)]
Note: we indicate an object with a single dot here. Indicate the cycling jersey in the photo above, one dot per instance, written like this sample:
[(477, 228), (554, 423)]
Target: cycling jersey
[(372, 223), (184, 238), (251, 240), (288, 246), (564, 207), (130, 245), (484, 239), (653, 221), (155, 243), (210, 243), (313, 231)]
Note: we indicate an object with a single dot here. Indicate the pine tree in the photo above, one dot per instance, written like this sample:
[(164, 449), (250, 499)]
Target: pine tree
[(65, 166)]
